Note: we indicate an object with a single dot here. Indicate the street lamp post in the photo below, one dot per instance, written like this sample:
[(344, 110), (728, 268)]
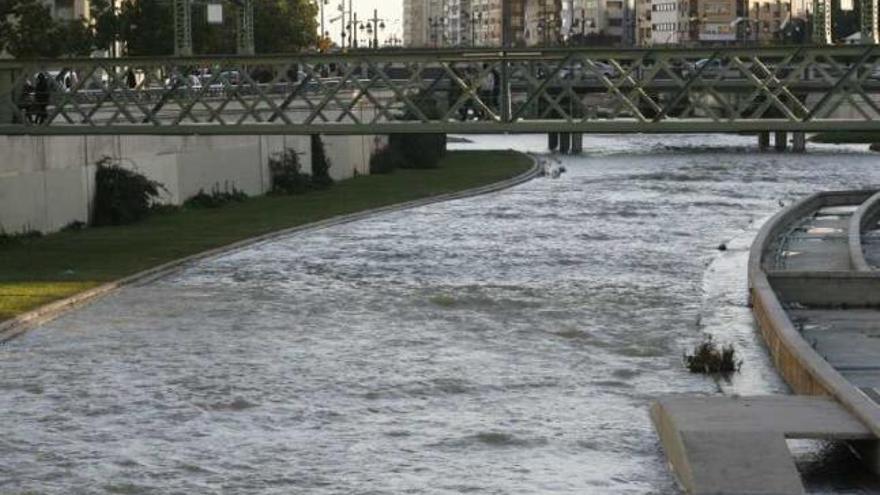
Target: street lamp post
[(373, 27), (323, 3)]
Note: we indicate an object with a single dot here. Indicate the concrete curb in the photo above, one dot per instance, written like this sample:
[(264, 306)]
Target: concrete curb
[(17, 326), (802, 367), (868, 212)]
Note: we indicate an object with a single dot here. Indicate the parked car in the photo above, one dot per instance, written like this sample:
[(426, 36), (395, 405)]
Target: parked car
[(717, 68), (577, 71)]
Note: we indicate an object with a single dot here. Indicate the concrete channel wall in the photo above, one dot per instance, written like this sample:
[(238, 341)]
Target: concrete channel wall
[(800, 365), (48, 182)]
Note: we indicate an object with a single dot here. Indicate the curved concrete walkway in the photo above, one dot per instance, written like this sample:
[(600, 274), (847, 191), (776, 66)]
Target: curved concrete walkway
[(12, 328), (818, 315), (864, 235)]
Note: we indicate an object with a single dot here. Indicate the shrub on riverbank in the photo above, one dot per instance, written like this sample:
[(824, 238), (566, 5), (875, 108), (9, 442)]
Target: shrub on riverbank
[(287, 174), (846, 137), (7, 239), (216, 198), (320, 163), (420, 151), (709, 357), (122, 196), (386, 160)]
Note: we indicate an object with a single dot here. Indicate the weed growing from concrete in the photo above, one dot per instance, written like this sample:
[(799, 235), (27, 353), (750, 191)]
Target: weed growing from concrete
[(710, 358)]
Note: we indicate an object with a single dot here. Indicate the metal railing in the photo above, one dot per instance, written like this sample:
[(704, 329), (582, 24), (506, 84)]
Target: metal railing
[(481, 91)]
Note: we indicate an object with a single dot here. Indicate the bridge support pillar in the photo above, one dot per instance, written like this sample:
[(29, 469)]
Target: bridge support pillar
[(7, 96), (553, 141), (799, 142), (577, 143), (781, 140), (763, 141), (564, 142)]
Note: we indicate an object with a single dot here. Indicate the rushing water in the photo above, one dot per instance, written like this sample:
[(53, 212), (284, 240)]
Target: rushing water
[(504, 344)]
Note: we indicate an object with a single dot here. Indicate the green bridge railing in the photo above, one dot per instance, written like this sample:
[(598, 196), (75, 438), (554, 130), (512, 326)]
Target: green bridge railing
[(479, 91)]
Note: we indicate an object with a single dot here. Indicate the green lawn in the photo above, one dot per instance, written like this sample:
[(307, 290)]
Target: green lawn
[(37, 271)]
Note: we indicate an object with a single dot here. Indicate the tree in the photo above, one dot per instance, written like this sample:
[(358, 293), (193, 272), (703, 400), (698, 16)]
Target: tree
[(28, 30), (147, 28), (142, 28), (284, 26)]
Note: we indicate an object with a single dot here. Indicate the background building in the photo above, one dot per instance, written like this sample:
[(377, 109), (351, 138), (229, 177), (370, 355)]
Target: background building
[(415, 21), (424, 23), (666, 22), (69, 10), (643, 30), (543, 22), (713, 21)]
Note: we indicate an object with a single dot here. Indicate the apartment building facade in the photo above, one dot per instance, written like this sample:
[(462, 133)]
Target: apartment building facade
[(643, 31), (543, 22), (612, 20), (766, 20), (415, 21), (69, 10)]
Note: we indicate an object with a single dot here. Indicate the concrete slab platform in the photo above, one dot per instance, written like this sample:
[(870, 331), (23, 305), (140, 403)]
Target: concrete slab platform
[(863, 378), (848, 339), (818, 242), (725, 445)]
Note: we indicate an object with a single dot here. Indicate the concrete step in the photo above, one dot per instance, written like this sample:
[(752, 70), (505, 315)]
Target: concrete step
[(729, 445)]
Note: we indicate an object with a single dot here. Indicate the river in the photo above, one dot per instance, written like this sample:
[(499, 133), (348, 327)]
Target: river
[(505, 344)]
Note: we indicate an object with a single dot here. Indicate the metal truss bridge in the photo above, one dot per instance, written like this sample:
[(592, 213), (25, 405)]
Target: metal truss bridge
[(482, 91)]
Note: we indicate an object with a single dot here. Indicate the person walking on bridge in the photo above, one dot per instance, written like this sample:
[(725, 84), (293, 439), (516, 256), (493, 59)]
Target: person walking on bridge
[(41, 99)]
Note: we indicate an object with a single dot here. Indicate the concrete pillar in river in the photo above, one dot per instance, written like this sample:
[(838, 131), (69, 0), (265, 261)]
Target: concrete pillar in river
[(7, 96), (763, 141), (799, 142), (553, 141), (781, 140), (577, 143), (564, 142)]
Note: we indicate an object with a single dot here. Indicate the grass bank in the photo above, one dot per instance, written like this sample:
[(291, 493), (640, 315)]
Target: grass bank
[(846, 137), (38, 271)]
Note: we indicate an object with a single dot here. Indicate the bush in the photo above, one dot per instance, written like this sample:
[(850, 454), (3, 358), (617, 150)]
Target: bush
[(216, 198), (386, 160), (122, 196), (420, 150), (74, 226), (287, 175), (708, 357), (320, 163), (18, 238)]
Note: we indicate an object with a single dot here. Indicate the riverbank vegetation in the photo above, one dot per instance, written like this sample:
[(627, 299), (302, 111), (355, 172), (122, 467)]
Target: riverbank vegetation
[(708, 357), (846, 137), (38, 270)]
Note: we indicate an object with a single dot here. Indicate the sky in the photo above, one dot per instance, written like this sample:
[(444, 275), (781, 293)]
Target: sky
[(389, 10)]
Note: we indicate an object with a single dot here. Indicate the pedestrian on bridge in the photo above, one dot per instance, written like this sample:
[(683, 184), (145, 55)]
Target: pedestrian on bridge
[(40, 109)]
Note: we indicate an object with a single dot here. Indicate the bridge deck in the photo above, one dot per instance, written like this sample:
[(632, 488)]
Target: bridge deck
[(476, 91)]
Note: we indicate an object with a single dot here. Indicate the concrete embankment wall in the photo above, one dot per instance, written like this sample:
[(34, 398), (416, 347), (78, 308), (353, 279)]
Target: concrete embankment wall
[(805, 371), (49, 182)]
